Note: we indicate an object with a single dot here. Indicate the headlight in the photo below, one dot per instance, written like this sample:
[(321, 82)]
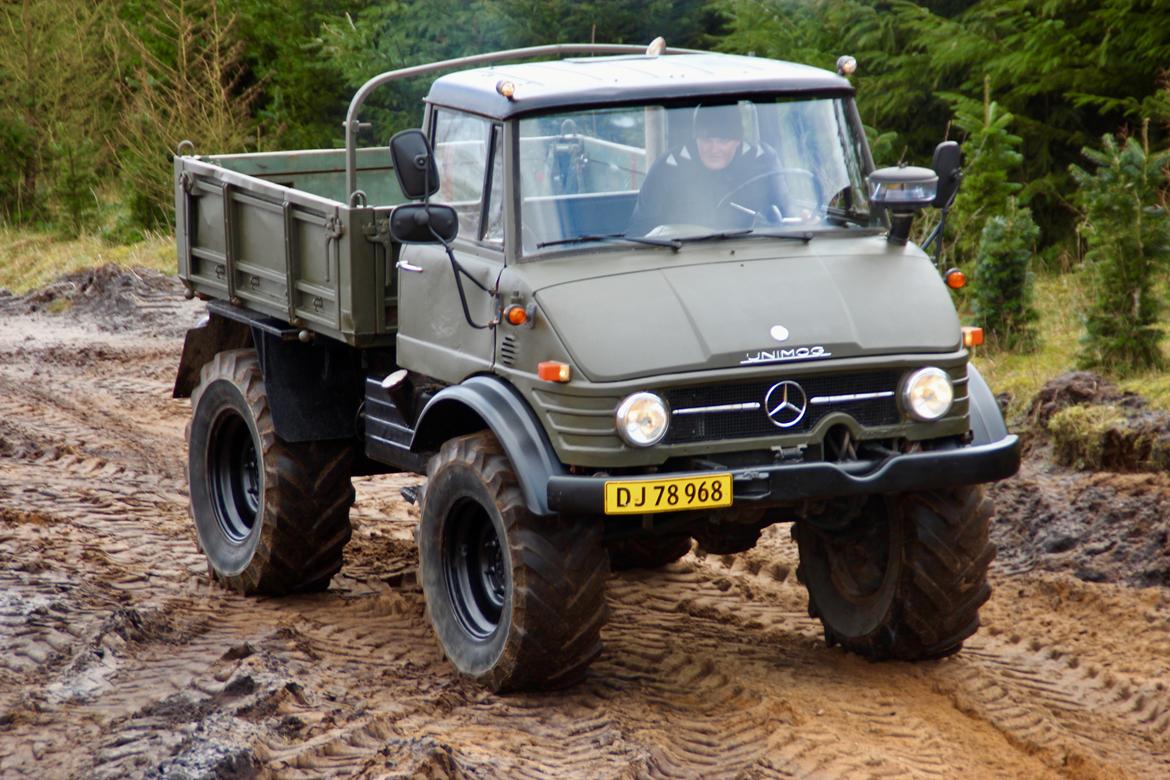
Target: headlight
[(642, 420), (928, 394)]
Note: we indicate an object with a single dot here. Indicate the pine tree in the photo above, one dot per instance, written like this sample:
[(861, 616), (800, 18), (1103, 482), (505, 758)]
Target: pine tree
[(1127, 229), (990, 155), (1002, 289)]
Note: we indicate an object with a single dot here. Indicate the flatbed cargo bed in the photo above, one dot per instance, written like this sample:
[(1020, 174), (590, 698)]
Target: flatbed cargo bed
[(272, 233)]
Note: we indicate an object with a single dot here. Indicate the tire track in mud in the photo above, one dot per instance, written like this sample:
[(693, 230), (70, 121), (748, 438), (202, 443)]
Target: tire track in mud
[(123, 660)]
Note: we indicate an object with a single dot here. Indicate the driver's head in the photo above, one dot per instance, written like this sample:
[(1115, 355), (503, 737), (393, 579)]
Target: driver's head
[(718, 131)]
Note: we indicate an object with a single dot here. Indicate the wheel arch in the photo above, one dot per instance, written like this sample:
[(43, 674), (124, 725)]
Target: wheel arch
[(314, 389), (987, 425), (213, 334), (486, 402)]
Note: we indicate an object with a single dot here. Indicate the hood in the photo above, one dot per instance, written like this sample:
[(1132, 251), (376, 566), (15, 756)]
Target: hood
[(781, 311)]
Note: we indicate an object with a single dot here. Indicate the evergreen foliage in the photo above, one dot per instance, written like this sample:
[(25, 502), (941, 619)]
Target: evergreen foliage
[(1127, 229), (990, 157), (186, 86), (1002, 294), (56, 103)]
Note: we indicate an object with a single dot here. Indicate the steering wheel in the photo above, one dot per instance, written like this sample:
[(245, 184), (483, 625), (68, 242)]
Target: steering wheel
[(781, 173)]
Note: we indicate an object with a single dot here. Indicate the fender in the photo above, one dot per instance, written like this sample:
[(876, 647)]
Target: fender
[(213, 334), (504, 411), (314, 389), (987, 425)]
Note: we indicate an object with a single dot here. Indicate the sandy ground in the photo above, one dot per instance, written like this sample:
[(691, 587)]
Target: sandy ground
[(119, 658)]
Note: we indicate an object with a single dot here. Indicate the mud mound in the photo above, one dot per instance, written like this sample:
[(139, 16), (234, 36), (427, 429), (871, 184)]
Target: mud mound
[(1079, 388), (1100, 527), (112, 298)]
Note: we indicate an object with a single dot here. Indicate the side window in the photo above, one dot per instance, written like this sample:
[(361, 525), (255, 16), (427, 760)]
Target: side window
[(494, 231), (460, 143)]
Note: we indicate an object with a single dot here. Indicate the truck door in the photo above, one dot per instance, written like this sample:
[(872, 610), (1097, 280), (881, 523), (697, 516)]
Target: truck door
[(434, 335)]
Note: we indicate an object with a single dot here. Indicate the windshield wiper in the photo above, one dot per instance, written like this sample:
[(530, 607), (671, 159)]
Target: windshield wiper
[(673, 243), (747, 233)]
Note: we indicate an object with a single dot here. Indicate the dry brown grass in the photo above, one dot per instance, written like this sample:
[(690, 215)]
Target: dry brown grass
[(30, 259)]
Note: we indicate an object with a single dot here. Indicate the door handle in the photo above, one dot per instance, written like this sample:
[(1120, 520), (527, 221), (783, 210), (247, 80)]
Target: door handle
[(405, 266)]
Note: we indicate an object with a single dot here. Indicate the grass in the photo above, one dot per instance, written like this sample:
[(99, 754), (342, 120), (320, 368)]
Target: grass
[(30, 259), (1062, 301)]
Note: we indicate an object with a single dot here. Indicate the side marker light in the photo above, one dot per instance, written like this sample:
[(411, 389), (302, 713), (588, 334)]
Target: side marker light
[(554, 371), (956, 279), (516, 315), (972, 336)]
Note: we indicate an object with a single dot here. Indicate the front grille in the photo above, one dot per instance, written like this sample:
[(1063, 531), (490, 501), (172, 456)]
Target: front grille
[(738, 422)]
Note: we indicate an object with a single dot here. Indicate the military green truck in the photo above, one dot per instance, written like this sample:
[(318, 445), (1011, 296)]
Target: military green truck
[(473, 301)]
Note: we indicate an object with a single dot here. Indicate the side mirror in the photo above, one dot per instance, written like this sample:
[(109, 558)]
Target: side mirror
[(414, 165), (948, 164), (902, 190), (423, 223)]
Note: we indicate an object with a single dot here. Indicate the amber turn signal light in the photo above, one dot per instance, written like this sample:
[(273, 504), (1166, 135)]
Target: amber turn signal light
[(972, 336), (956, 279), (516, 315), (553, 371)]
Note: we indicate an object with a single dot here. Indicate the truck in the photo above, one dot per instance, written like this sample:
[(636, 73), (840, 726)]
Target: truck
[(470, 301)]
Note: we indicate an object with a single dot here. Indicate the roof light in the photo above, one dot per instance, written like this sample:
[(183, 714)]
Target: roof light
[(506, 88), (955, 279), (972, 336), (553, 371), (846, 65)]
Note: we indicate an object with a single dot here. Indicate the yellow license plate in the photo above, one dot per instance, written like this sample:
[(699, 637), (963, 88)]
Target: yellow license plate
[(642, 496)]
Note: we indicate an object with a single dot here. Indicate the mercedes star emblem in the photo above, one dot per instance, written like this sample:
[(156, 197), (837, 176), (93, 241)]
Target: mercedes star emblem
[(779, 332), (785, 404)]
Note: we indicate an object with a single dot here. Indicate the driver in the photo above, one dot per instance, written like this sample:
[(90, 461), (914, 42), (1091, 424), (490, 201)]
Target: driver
[(717, 179)]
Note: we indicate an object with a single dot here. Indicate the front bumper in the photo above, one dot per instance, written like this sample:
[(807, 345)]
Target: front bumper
[(792, 483)]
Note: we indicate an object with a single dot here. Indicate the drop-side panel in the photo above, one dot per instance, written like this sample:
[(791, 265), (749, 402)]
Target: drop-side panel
[(312, 262)]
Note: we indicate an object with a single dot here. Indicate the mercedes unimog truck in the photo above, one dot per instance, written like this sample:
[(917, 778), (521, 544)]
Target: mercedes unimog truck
[(600, 337)]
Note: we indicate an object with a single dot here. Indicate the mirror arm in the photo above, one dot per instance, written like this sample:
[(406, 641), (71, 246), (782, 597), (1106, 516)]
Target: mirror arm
[(936, 235), (459, 272)]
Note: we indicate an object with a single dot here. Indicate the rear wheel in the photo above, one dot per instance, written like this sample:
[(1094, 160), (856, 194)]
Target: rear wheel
[(904, 579), (271, 516), (517, 601)]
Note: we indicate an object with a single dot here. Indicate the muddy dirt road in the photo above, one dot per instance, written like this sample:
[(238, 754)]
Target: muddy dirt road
[(119, 658)]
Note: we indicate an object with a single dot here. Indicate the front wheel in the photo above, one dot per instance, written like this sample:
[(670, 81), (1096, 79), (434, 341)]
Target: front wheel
[(517, 601), (905, 578)]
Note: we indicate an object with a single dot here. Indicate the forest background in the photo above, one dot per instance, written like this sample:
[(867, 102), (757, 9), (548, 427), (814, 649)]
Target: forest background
[(1062, 107)]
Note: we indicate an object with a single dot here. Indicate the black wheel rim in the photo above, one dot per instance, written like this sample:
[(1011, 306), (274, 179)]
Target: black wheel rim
[(859, 558), (475, 569), (234, 474)]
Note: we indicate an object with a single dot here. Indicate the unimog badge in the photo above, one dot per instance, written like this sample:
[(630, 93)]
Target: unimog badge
[(781, 355)]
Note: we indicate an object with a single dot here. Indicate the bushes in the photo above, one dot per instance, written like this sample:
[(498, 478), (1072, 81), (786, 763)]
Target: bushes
[(1002, 296)]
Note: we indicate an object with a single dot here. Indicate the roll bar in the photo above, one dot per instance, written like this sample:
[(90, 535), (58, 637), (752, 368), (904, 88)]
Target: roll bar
[(554, 50)]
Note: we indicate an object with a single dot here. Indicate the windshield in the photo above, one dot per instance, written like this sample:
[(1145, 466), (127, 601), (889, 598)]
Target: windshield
[(758, 167)]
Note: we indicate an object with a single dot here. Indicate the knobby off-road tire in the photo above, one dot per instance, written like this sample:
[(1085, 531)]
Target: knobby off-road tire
[(517, 601), (271, 516), (906, 579), (647, 552)]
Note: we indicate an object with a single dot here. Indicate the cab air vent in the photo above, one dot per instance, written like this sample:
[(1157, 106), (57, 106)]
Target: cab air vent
[(508, 350)]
